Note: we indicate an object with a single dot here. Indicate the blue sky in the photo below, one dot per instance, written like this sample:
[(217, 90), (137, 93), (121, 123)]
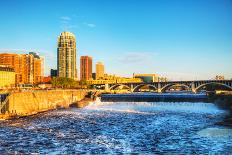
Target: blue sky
[(179, 39)]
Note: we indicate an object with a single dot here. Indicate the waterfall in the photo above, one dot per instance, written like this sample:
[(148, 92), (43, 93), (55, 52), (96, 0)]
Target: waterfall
[(188, 107)]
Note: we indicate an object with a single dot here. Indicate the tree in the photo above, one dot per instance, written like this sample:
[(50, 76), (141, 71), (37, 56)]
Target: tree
[(63, 82)]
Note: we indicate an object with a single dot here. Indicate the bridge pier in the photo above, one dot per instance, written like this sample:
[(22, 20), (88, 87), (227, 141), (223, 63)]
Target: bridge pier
[(193, 87), (106, 86), (159, 90), (131, 88)]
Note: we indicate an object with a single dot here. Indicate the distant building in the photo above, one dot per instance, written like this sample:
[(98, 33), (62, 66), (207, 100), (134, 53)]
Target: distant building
[(100, 70), (163, 79), (86, 68), (219, 77), (66, 56), (94, 76), (7, 77), (115, 81), (53, 73), (112, 79), (47, 79), (147, 78), (28, 67)]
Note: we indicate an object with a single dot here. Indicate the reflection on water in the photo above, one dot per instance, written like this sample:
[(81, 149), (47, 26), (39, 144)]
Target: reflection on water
[(215, 132), (113, 128)]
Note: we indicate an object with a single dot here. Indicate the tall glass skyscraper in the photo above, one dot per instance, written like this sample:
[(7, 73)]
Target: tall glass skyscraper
[(66, 56)]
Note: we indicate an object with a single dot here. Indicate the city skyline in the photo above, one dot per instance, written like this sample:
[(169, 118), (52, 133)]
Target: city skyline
[(136, 37)]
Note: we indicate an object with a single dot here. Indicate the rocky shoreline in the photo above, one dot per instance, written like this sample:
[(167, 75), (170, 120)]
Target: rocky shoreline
[(223, 101)]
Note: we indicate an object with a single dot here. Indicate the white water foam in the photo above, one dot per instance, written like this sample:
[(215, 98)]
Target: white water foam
[(148, 107)]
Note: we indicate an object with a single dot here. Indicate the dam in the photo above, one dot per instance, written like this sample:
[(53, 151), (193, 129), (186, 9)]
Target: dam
[(155, 97), (32, 102)]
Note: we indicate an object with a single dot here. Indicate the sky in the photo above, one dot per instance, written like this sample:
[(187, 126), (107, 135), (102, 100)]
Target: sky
[(178, 39)]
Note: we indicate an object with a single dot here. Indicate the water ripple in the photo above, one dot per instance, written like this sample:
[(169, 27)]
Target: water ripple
[(115, 128)]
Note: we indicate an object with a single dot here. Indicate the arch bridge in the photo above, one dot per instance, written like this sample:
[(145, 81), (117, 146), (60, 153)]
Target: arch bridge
[(194, 86)]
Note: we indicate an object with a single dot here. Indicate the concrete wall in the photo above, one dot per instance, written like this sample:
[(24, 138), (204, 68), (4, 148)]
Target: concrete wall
[(27, 103)]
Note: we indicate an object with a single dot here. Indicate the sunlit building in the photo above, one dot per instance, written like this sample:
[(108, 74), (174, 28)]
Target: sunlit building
[(113, 79), (28, 67), (219, 77), (66, 56), (47, 79), (7, 77), (38, 68), (147, 78), (86, 68), (100, 70)]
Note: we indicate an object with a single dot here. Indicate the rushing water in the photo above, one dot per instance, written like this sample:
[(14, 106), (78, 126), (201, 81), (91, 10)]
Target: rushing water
[(114, 128)]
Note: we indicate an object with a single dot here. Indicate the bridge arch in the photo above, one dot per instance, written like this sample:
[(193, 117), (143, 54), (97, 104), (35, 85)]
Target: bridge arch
[(142, 85), (212, 83), (164, 88), (118, 85)]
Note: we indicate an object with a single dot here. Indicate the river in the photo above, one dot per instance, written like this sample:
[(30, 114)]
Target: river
[(120, 127)]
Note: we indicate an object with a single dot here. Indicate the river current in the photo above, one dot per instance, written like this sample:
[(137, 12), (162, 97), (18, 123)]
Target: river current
[(120, 127)]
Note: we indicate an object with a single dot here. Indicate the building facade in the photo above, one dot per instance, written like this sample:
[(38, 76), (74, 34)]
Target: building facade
[(66, 56), (94, 76), (38, 68), (53, 73), (147, 78), (100, 70), (219, 77), (86, 68), (28, 67), (7, 77)]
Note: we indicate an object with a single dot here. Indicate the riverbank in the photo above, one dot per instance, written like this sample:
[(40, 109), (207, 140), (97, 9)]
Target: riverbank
[(223, 101), (20, 104)]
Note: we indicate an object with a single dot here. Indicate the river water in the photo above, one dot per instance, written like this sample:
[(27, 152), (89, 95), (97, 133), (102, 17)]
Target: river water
[(120, 127)]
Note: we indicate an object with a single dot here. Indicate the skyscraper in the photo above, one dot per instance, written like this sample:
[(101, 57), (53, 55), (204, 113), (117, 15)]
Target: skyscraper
[(86, 68), (66, 56), (99, 70)]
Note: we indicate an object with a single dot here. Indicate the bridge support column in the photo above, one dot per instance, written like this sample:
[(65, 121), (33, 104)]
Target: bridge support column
[(131, 87), (159, 88), (193, 87), (106, 86)]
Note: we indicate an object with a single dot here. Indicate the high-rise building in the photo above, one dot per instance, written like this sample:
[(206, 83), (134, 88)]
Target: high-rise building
[(28, 67), (86, 68), (66, 56), (100, 71), (38, 68)]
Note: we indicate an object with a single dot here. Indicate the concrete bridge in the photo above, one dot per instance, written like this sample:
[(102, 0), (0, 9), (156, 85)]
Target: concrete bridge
[(193, 86)]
